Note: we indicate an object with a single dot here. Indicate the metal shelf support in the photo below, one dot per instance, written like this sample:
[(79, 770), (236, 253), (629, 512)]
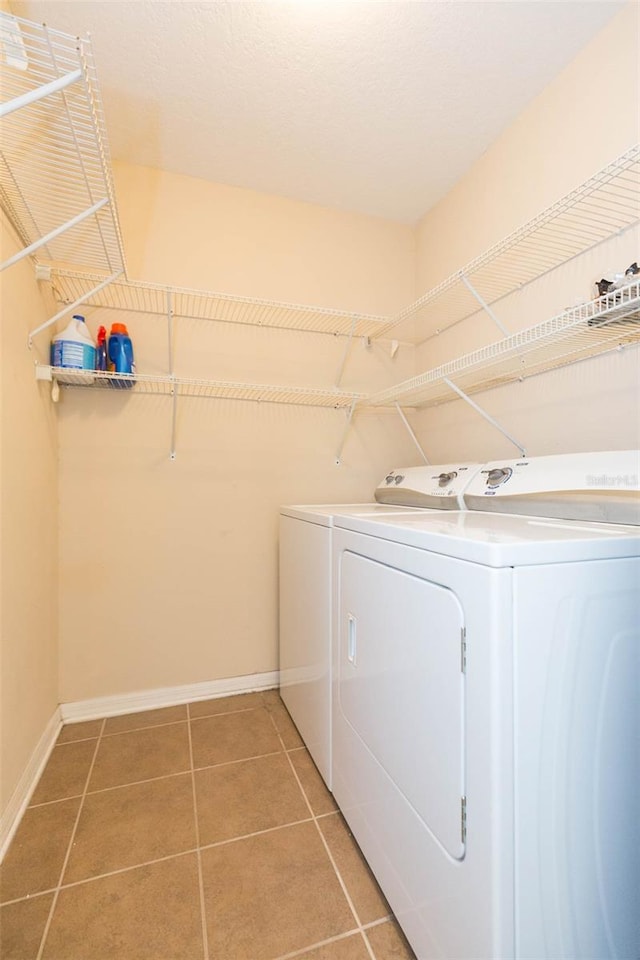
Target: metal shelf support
[(345, 353), (346, 431), (39, 93), (72, 306), (174, 392), (485, 415), (402, 416), (485, 306), (43, 241)]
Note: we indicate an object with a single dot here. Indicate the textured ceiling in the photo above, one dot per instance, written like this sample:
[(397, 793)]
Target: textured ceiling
[(377, 107)]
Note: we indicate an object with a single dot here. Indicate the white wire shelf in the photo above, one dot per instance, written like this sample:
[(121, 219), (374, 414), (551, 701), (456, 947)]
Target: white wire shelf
[(175, 386), (55, 167), (585, 331), (604, 205), (141, 297)]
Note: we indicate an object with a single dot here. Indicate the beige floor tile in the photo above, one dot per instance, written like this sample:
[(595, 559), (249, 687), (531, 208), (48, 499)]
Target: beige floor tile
[(210, 708), (66, 772), (36, 855), (351, 948), (363, 889), (312, 783), (146, 718), (388, 942), (150, 913), (286, 727), (80, 731), (132, 825), (233, 736), (271, 894), (21, 927), (240, 798), (271, 696), (141, 755)]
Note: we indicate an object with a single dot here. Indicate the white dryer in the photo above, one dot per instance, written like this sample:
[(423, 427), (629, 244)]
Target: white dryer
[(305, 588), (486, 713)]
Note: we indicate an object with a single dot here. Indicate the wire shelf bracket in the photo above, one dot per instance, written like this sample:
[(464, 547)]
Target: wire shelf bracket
[(485, 306), (485, 415), (174, 392), (72, 306), (611, 321), (54, 86), (411, 433), (345, 354), (347, 427), (604, 206), (53, 234), (56, 185)]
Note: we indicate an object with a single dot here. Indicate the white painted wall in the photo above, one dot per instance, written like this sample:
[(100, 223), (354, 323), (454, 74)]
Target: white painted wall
[(584, 119), (28, 528), (168, 571)]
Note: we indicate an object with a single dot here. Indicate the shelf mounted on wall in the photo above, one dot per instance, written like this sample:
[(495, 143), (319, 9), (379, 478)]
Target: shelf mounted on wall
[(56, 185), (605, 205)]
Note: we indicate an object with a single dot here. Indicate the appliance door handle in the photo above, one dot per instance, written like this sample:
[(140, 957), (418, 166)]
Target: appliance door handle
[(351, 639)]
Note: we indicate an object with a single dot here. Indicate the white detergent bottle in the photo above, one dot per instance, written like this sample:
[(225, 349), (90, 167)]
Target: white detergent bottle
[(73, 348)]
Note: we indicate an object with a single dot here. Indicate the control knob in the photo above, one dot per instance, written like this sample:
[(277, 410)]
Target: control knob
[(445, 478), (497, 476)]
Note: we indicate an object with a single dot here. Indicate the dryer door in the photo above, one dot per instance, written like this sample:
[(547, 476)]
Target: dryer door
[(401, 687)]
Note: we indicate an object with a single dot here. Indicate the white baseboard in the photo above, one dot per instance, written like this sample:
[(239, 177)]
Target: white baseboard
[(139, 700), (11, 817)]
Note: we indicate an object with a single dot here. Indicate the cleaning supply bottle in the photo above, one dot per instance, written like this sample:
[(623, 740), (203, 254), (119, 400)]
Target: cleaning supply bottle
[(73, 348), (101, 349), (120, 354)]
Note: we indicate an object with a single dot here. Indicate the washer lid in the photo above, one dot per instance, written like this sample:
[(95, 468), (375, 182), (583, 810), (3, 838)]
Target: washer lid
[(603, 486), (324, 513), (501, 541)]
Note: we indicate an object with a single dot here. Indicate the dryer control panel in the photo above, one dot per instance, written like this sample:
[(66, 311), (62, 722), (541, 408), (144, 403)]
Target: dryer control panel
[(440, 486), (602, 486)]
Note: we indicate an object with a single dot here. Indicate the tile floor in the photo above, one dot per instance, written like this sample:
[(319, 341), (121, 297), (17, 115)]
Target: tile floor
[(191, 832)]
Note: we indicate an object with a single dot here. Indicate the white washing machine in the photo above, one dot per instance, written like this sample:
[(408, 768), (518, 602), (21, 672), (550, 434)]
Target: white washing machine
[(305, 589), (486, 725)]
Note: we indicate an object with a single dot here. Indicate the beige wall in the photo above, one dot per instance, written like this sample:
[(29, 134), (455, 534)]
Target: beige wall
[(28, 529), (168, 569), (584, 119)]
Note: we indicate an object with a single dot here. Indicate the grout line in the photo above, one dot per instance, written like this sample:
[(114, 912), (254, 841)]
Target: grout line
[(178, 773), (256, 833), (50, 803), (361, 928), (108, 873), (28, 896), (376, 923), (203, 911), (56, 894), (329, 853), (67, 743), (321, 943), (152, 726), (149, 863)]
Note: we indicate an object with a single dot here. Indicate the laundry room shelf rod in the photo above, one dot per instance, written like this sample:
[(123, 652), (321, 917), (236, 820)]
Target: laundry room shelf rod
[(606, 323), (140, 297), (604, 205), (169, 386), (56, 185)]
